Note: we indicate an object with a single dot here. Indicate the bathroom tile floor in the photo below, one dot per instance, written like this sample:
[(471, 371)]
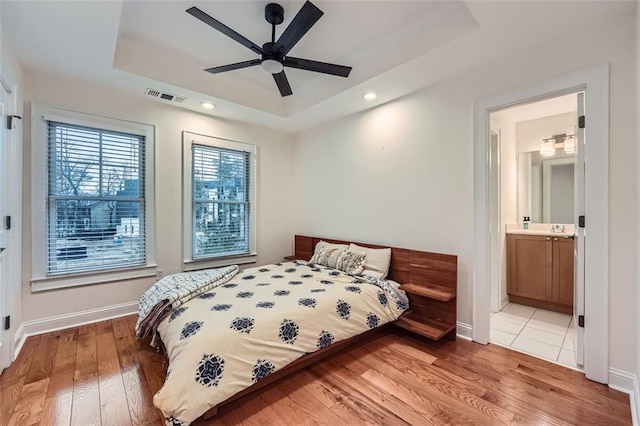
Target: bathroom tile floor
[(537, 332)]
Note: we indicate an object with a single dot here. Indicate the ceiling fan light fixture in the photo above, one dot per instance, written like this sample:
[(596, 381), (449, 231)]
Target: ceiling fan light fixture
[(207, 105), (272, 66), (369, 96)]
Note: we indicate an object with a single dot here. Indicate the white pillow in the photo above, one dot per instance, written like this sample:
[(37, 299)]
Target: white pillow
[(378, 261)]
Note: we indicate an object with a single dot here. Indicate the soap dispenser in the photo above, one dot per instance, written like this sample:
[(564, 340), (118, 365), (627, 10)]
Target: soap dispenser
[(525, 222)]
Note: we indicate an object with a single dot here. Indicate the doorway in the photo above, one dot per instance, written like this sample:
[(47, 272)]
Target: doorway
[(532, 232), (10, 216), (594, 82), (5, 357)]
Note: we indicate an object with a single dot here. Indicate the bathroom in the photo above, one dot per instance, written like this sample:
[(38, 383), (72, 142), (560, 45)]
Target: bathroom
[(535, 192)]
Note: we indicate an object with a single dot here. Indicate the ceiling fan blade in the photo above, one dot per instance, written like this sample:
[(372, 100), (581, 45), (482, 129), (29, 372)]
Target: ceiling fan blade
[(197, 13), (283, 84), (301, 23), (236, 66), (323, 67)]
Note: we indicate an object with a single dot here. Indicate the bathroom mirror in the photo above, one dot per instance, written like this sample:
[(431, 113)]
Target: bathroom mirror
[(546, 187)]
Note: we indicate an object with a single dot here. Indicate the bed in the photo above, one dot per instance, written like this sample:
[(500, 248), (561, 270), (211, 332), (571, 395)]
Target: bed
[(250, 329)]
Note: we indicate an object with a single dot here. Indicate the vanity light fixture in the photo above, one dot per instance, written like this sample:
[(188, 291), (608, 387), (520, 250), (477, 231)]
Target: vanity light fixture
[(569, 145), (369, 96), (207, 105), (564, 141), (547, 149)]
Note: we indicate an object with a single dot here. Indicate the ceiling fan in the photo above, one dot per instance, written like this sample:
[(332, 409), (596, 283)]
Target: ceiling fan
[(274, 53)]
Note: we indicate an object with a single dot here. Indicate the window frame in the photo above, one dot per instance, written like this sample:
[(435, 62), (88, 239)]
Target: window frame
[(40, 279), (188, 140)]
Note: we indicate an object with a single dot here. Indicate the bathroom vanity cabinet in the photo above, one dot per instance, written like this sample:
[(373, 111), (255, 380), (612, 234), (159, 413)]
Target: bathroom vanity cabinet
[(540, 271)]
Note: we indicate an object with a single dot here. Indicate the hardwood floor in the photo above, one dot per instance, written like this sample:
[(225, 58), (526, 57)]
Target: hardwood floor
[(101, 374)]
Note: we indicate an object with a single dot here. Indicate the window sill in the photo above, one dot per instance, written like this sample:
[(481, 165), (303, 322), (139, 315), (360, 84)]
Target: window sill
[(89, 278), (194, 265)]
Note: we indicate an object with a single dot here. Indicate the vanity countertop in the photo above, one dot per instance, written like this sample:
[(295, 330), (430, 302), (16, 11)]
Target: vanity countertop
[(540, 232), (540, 229)]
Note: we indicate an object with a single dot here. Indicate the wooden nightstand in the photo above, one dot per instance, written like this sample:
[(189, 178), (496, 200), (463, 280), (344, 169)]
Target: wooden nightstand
[(432, 310)]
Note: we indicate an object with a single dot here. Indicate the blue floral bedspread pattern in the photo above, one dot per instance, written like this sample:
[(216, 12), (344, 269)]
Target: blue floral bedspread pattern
[(174, 290), (238, 333)]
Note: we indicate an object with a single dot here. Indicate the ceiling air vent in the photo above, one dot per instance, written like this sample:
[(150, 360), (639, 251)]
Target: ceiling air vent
[(152, 92), (166, 96)]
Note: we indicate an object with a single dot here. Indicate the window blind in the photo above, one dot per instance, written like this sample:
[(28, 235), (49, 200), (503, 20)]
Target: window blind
[(220, 196), (95, 199)]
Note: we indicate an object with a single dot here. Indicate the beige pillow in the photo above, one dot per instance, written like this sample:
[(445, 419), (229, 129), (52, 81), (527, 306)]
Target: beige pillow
[(351, 262), (377, 263), (323, 244), (322, 256), (333, 258)]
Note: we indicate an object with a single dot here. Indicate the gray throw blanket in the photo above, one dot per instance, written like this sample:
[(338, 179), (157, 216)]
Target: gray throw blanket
[(174, 290)]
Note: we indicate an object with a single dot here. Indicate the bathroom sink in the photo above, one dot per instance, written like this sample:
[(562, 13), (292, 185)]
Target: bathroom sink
[(540, 232), (541, 229)]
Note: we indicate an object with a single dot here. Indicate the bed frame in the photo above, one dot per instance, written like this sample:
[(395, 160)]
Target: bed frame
[(407, 266)]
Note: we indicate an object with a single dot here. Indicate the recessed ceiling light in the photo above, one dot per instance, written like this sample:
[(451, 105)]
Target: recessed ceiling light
[(369, 96), (207, 105)]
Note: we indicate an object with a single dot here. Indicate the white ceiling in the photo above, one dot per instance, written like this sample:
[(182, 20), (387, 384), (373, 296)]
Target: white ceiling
[(395, 48), (540, 109)]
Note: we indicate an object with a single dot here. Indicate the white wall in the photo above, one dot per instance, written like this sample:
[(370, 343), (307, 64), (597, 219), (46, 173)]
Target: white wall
[(10, 62), (402, 174), (275, 175)]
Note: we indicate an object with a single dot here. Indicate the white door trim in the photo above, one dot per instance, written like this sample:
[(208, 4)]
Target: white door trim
[(10, 294), (496, 236), (8, 271), (595, 81)]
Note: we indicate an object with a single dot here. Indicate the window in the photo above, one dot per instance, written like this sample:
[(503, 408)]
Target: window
[(95, 205), (92, 199), (219, 179)]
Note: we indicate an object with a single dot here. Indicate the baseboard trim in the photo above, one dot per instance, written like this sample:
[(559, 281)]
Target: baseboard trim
[(18, 340), (75, 319), (464, 331), (628, 383), (504, 302)]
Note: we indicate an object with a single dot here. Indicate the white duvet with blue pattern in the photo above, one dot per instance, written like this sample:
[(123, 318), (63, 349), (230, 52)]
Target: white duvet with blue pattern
[(239, 332)]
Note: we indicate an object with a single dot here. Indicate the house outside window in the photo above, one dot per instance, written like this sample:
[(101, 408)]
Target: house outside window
[(96, 215), (219, 177)]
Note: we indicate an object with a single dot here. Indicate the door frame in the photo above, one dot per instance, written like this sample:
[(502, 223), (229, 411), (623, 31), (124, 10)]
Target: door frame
[(595, 82), (12, 270), (496, 238)]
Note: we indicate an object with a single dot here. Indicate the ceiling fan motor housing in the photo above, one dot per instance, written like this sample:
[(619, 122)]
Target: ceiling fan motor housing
[(274, 14), (271, 62), (269, 53)]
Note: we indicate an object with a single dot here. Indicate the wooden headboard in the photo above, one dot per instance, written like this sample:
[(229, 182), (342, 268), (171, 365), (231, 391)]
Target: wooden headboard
[(429, 279), (407, 266)]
